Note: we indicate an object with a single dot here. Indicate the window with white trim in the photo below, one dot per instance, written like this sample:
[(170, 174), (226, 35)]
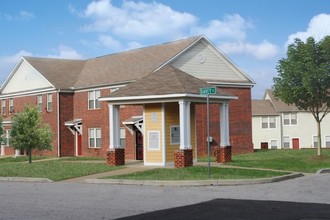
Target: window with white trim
[(49, 102), (39, 103), (3, 106), (268, 122), (8, 137), (315, 141), (11, 105), (94, 137), (93, 99), (175, 134), (122, 138), (327, 141), (286, 142), (290, 119), (273, 144)]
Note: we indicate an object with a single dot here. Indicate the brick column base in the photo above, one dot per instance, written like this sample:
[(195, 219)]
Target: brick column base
[(223, 154), (116, 157), (183, 158)]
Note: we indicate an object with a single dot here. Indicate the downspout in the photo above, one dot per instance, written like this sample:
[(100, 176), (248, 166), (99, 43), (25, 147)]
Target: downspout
[(281, 131), (58, 124)]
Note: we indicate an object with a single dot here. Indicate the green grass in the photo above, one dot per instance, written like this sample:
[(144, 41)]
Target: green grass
[(21, 159), (55, 170), (304, 160), (82, 159), (197, 173)]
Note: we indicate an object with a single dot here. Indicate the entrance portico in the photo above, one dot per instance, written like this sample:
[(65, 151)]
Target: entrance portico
[(168, 97)]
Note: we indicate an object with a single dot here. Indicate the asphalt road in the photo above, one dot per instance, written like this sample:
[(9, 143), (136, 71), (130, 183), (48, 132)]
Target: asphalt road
[(302, 198)]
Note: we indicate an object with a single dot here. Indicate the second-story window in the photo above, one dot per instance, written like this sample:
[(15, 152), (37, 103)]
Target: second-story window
[(49, 102), (290, 119), (39, 103), (93, 99), (268, 122), (3, 106), (11, 105)]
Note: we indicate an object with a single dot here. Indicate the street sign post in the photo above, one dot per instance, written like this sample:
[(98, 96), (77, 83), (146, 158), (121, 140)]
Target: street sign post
[(208, 91)]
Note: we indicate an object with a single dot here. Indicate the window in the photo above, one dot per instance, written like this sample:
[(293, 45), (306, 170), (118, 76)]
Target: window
[(327, 141), (122, 137), (8, 138), (268, 122), (39, 103), (315, 141), (11, 105), (94, 136), (290, 119), (175, 134), (286, 142), (3, 106), (93, 99), (49, 102), (273, 144)]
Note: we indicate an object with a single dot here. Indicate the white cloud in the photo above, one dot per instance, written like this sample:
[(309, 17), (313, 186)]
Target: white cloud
[(21, 16), (65, 52), (318, 27), (137, 19), (109, 42), (261, 51), (232, 27)]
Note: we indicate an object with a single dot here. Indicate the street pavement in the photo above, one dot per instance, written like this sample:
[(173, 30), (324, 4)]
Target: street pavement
[(306, 197)]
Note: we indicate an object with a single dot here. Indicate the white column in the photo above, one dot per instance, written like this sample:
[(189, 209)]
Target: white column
[(184, 108), (2, 150), (17, 153), (114, 126), (224, 124)]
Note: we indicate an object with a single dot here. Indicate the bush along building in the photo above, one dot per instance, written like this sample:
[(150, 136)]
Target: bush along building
[(144, 101)]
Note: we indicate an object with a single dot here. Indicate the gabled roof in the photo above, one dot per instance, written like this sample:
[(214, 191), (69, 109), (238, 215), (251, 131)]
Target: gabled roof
[(263, 107), (131, 65), (168, 82), (62, 73), (278, 104)]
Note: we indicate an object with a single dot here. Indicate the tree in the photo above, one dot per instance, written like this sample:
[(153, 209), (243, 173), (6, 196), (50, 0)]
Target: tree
[(29, 133), (2, 139), (304, 79)]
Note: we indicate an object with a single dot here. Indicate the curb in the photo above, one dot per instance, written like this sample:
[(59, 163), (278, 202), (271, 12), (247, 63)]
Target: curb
[(193, 182), (322, 171), (25, 179)]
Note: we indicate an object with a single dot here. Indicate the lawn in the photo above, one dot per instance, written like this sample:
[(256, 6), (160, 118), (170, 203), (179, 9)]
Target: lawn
[(55, 170), (304, 160), (197, 173)]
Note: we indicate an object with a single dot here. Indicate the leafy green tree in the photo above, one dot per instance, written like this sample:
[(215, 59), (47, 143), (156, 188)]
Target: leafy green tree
[(2, 138), (304, 79), (29, 133)]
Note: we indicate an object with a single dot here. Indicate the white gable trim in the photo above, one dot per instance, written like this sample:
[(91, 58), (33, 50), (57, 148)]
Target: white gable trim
[(218, 53), (14, 71)]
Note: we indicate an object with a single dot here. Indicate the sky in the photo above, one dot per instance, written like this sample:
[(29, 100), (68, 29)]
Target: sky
[(254, 34)]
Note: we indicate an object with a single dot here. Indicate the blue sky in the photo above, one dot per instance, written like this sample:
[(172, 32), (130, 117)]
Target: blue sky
[(254, 34)]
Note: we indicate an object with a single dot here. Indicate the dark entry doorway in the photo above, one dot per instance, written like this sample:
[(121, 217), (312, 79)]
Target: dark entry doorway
[(139, 145)]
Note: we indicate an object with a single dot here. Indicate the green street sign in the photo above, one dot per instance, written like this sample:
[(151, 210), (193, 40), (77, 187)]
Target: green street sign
[(208, 91)]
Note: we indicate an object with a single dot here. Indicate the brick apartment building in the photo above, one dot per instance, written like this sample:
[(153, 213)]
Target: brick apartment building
[(67, 94)]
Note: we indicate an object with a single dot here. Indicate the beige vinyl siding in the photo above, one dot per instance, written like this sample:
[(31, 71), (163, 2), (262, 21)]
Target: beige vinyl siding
[(26, 78), (171, 118), (216, 67), (153, 122)]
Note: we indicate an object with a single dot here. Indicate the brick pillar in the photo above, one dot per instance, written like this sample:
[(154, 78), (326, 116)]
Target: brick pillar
[(116, 157), (223, 154), (183, 158)]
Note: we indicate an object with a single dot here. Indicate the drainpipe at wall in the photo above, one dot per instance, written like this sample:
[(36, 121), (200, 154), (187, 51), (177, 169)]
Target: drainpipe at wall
[(58, 124)]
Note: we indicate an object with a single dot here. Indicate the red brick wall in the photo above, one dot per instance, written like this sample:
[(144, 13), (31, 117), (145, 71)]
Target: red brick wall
[(99, 118), (47, 117), (240, 123), (66, 114)]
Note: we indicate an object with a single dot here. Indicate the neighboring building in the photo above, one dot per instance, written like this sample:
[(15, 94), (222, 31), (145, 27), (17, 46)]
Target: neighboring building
[(67, 94), (277, 125)]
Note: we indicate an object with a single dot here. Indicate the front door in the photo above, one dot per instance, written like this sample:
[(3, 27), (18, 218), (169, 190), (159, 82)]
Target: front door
[(139, 145), (295, 143)]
